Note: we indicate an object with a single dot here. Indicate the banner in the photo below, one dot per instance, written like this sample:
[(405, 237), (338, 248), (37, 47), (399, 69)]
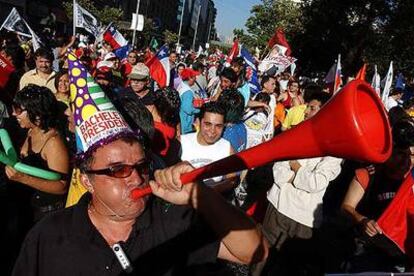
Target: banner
[(276, 59), (84, 19), (139, 26)]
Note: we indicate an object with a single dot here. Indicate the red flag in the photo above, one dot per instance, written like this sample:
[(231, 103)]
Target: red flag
[(5, 71), (362, 72), (234, 52), (279, 38), (397, 220)]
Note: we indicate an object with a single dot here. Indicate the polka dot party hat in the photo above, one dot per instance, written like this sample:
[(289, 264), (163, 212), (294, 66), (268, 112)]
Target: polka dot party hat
[(96, 119)]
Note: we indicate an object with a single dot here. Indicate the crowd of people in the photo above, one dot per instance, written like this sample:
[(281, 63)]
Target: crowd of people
[(296, 217)]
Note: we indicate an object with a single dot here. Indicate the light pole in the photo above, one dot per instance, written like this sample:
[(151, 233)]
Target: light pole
[(181, 24), (136, 24), (196, 28)]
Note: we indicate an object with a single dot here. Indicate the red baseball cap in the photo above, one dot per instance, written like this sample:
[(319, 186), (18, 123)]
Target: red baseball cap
[(189, 73)]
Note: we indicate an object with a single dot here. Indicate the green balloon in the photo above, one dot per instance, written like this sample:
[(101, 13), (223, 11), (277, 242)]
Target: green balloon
[(6, 160), (36, 172), (7, 145)]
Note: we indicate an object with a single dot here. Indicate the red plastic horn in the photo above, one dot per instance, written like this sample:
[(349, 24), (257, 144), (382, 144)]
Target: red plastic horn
[(352, 125)]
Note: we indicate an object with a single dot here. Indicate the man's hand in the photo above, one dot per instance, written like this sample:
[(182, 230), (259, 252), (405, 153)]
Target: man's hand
[(14, 175), (167, 185), (294, 165), (370, 227)]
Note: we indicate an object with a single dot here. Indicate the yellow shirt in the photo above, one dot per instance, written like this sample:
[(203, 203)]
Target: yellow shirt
[(76, 189), (32, 77), (294, 116)]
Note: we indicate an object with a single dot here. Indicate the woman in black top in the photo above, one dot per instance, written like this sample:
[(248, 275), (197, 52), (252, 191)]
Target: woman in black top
[(36, 109)]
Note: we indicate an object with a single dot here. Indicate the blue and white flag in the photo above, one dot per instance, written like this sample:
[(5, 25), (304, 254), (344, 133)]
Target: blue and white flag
[(251, 71)]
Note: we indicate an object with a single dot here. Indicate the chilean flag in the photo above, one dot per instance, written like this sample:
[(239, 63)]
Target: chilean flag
[(114, 37), (159, 66)]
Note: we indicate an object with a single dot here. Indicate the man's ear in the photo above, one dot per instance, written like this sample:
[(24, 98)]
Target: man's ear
[(196, 124), (86, 182)]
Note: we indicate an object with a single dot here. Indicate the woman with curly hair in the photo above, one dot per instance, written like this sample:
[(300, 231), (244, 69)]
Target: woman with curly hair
[(165, 113), (36, 109), (62, 86)]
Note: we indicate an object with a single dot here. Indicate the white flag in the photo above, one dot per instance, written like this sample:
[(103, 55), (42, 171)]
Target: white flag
[(84, 19), (15, 23), (200, 51), (387, 85), (376, 81)]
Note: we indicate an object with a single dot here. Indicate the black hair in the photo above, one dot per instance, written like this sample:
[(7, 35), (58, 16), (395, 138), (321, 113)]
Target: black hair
[(229, 73), (396, 91), (293, 81), (181, 64), (262, 97), (309, 90), (41, 106), (238, 61), (58, 76), (408, 103), (396, 114), (321, 97), (265, 79), (213, 107), (167, 102), (403, 134), (16, 54), (233, 103), (44, 53), (197, 66)]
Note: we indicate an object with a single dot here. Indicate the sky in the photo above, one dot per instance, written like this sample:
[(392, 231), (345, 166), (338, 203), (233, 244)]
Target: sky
[(232, 14)]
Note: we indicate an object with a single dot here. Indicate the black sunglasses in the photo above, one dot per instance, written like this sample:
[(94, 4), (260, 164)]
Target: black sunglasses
[(123, 170)]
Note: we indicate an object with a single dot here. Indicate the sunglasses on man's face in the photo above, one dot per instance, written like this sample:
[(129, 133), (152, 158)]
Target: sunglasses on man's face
[(123, 170)]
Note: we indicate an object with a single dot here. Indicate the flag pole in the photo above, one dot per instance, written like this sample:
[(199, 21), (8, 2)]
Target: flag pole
[(181, 24), (74, 17), (136, 24)]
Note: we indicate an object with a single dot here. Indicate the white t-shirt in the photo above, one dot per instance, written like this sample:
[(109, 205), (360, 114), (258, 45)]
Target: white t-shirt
[(200, 155)]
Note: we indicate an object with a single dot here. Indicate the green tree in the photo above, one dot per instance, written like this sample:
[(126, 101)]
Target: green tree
[(268, 16), (106, 15), (170, 37), (330, 27)]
